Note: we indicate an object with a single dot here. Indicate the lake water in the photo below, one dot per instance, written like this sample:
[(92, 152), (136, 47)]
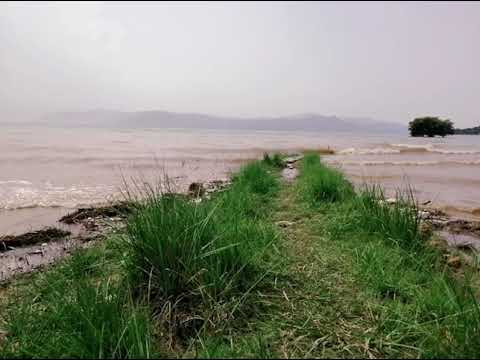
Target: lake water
[(45, 172)]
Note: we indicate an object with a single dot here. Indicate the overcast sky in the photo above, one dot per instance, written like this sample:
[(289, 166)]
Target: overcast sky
[(390, 61)]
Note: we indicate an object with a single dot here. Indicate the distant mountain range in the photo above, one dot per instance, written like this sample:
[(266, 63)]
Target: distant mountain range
[(165, 119)]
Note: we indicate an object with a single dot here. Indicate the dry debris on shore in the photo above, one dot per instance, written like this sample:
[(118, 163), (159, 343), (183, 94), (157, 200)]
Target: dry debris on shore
[(121, 209)]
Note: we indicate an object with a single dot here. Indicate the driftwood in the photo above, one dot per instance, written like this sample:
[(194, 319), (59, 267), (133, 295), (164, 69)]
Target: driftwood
[(30, 238)]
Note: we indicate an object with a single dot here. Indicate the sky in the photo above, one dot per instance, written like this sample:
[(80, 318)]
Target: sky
[(388, 61)]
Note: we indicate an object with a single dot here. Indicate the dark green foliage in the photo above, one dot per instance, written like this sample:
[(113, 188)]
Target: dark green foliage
[(430, 126)]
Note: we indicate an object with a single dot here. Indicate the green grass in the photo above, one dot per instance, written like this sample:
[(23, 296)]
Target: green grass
[(256, 177), (254, 347), (67, 312), (203, 259), (182, 249), (423, 309), (275, 160), (319, 184), (397, 223), (349, 276), (178, 267)]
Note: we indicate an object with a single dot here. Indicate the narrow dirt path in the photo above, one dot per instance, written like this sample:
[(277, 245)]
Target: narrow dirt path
[(320, 312)]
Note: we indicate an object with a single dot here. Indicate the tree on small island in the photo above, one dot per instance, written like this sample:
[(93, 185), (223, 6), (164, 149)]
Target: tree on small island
[(430, 126)]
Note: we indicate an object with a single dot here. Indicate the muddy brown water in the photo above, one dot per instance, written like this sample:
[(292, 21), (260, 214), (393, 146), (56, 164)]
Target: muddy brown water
[(46, 172)]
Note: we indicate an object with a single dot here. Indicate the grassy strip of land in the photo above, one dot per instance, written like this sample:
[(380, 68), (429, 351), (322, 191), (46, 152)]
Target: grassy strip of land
[(181, 269), (419, 307), (358, 279), (263, 269)]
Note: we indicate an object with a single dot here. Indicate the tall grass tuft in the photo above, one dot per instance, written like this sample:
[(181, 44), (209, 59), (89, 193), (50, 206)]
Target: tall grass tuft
[(207, 252), (256, 178), (319, 184), (452, 321), (424, 308), (67, 315), (396, 223)]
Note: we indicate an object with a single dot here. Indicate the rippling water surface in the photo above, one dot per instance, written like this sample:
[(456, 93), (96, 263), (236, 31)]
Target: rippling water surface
[(44, 172)]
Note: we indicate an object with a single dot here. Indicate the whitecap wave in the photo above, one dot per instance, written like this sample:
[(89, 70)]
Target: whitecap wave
[(18, 182), (431, 148), (425, 147), (403, 162), (456, 152), (406, 148), (51, 196), (32, 206), (374, 151)]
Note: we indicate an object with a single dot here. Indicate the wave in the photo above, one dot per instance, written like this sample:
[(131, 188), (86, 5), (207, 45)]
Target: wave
[(19, 182), (406, 148), (34, 206), (431, 148), (53, 205), (404, 162), (351, 151), (414, 147), (456, 152), (54, 196)]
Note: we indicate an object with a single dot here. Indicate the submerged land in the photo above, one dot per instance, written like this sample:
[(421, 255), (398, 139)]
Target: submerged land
[(285, 260)]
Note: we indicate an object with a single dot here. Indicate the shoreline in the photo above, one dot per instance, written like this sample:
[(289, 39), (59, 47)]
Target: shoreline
[(78, 228), (87, 224), (290, 235)]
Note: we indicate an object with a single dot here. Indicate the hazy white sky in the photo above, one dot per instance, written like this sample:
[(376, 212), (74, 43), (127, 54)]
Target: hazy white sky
[(390, 61)]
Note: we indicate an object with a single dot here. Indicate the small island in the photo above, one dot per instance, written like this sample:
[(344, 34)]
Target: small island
[(468, 131), (430, 126)]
